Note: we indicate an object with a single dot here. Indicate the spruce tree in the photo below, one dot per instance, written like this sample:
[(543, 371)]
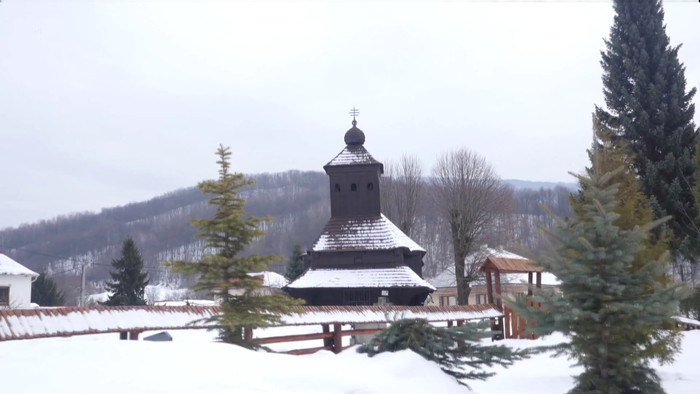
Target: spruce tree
[(128, 281), (45, 292), (634, 209), (224, 271), (612, 303), (648, 107), (295, 264), (456, 350)]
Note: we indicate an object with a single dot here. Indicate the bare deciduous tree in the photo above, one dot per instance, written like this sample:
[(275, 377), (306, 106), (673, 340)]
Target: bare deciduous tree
[(402, 185), (471, 197)]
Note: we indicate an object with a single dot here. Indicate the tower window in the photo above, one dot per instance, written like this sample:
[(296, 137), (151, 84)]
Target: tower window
[(353, 187), (337, 187), (370, 186)]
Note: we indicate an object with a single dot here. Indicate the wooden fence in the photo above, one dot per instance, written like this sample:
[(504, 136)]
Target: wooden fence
[(514, 326), (130, 322), (332, 340)]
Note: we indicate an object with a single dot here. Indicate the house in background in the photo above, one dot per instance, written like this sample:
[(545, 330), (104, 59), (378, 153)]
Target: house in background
[(271, 284), (15, 284), (512, 284)]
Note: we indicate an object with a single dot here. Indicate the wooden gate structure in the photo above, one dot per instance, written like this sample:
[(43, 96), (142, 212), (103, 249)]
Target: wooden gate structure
[(514, 326), (510, 325)]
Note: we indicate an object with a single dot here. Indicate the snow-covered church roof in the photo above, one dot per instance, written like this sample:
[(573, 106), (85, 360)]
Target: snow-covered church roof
[(356, 278), (363, 233), (11, 267), (352, 154)]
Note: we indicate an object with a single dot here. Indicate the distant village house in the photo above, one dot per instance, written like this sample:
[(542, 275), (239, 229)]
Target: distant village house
[(15, 284), (512, 284)]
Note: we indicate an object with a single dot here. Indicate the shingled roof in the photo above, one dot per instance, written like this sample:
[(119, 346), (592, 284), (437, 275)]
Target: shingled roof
[(360, 278), (363, 233), (507, 265), (352, 155)]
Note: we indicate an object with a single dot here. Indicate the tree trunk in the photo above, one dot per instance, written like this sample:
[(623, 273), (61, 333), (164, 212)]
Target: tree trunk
[(462, 299), (467, 291)]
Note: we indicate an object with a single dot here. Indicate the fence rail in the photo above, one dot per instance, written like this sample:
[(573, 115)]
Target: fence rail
[(130, 321)]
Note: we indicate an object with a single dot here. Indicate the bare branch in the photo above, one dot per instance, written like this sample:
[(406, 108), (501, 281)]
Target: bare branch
[(472, 198)]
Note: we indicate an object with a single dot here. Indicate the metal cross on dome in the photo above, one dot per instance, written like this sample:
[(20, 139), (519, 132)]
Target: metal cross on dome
[(354, 112)]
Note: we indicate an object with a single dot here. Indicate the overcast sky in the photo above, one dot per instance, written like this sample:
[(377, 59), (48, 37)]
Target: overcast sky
[(106, 103)]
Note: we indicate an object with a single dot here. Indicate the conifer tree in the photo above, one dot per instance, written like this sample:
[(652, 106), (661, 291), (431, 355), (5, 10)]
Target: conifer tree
[(128, 281), (690, 306), (456, 350), (648, 107), (634, 208), (45, 292), (224, 272), (295, 264), (612, 303)]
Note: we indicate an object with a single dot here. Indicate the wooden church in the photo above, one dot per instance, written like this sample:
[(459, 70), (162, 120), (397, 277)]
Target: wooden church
[(360, 258)]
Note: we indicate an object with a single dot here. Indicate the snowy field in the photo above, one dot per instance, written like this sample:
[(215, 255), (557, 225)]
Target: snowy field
[(193, 363)]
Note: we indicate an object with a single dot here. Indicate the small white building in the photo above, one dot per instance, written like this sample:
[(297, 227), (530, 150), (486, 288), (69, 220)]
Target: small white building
[(272, 283), (15, 284)]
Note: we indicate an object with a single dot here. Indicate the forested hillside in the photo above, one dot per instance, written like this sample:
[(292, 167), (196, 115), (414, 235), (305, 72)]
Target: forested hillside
[(297, 202)]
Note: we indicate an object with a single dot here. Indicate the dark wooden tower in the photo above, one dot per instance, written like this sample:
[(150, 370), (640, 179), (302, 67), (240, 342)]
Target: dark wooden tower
[(360, 258)]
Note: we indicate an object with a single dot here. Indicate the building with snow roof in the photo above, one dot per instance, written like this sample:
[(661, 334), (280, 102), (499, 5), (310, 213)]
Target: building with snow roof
[(271, 283), (360, 257), (513, 279), (15, 284)]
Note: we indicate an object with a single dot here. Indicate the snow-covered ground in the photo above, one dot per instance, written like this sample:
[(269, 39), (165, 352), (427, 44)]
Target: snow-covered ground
[(193, 363)]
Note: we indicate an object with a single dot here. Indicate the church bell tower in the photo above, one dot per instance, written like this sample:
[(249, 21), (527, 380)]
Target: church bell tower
[(354, 178)]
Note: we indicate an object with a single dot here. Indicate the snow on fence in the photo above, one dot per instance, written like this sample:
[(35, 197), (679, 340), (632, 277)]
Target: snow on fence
[(686, 323), (67, 321)]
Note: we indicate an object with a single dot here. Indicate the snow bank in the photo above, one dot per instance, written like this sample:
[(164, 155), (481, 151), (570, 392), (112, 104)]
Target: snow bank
[(192, 363)]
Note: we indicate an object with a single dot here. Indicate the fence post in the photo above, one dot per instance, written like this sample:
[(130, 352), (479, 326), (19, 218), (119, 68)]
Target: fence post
[(337, 338), (507, 318), (326, 341)]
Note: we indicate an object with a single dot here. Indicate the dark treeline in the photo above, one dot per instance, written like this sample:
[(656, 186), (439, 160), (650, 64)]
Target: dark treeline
[(297, 202)]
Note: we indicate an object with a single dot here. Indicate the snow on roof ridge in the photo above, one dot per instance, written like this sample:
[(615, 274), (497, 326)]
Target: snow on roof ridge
[(363, 233), (485, 252), (8, 266), (271, 279), (356, 154), (401, 276)]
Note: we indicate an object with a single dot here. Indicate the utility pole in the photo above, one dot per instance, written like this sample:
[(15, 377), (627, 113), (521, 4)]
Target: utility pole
[(81, 298), (82, 285)]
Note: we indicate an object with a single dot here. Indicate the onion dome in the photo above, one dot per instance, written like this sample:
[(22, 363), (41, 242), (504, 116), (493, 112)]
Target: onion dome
[(354, 136)]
